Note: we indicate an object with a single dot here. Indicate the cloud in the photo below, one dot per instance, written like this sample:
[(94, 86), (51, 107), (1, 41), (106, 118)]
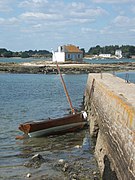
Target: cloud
[(65, 20), (5, 6), (89, 12), (133, 9), (11, 21), (114, 1), (124, 21), (2, 20), (39, 16), (33, 3), (59, 12), (132, 30), (88, 30), (37, 26)]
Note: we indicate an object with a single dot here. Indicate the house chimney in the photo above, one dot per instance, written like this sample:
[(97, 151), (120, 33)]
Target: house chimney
[(59, 48)]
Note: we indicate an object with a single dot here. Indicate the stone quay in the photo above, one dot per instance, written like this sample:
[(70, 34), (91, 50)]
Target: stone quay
[(110, 104)]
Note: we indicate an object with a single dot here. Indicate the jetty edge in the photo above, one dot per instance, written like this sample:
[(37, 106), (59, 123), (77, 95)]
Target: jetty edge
[(110, 105)]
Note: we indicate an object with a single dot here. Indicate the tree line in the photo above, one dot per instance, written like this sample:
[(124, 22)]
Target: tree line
[(24, 54), (127, 50)]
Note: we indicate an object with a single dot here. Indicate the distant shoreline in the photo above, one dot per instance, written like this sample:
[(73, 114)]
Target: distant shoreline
[(47, 67)]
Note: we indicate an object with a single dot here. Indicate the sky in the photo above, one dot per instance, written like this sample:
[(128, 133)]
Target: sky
[(46, 24)]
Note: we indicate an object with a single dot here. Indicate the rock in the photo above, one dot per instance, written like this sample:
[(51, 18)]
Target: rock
[(48, 68), (94, 173), (35, 161), (96, 178), (78, 146), (61, 161), (28, 175), (66, 166), (37, 157), (74, 176), (59, 165)]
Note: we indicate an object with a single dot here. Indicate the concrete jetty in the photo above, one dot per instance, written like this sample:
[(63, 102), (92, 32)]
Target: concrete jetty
[(110, 103)]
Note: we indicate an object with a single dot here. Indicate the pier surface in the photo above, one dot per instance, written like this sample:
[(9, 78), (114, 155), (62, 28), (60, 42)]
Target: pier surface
[(110, 103)]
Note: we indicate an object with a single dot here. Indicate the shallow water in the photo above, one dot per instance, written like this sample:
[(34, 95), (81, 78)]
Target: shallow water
[(128, 76), (20, 60), (26, 97), (108, 61), (92, 61), (68, 147)]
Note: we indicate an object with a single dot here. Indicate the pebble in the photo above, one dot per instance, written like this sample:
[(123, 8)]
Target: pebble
[(94, 173), (37, 157), (74, 176), (77, 146), (28, 175), (65, 168), (61, 161), (35, 161)]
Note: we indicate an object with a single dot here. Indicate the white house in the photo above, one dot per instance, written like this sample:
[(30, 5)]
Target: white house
[(118, 53), (105, 55), (67, 52)]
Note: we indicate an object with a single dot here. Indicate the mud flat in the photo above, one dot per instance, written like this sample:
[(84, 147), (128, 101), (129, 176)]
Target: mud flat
[(45, 67)]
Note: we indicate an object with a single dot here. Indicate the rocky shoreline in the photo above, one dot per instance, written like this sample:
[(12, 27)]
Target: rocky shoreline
[(76, 169), (45, 67)]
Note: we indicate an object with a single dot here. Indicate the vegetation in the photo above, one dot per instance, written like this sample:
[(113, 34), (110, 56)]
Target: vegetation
[(83, 50), (26, 54), (127, 50)]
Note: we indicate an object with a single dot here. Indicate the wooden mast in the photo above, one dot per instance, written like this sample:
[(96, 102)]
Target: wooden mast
[(64, 86), (65, 89)]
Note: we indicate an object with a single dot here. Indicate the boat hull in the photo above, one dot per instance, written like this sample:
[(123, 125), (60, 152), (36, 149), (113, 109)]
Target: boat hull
[(54, 126), (58, 130)]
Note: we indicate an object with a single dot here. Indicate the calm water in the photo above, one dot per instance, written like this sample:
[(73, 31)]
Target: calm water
[(25, 97), (32, 97), (129, 75), (93, 61), (20, 60), (107, 61)]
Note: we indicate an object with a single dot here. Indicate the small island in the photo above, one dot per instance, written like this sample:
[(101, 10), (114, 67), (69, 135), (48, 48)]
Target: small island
[(45, 65)]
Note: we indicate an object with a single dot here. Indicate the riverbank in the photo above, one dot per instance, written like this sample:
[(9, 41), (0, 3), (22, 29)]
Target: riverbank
[(47, 67)]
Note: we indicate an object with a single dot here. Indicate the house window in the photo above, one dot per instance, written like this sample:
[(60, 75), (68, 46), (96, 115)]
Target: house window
[(68, 56), (78, 56)]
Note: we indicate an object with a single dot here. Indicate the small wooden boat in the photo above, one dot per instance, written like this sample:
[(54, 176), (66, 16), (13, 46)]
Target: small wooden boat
[(62, 125), (70, 123)]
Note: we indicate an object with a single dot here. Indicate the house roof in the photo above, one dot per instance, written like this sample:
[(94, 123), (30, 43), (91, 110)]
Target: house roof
[(72, 49)]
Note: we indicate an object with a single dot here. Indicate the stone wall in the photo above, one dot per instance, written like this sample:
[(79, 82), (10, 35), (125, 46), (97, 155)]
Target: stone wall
[(110, 103)]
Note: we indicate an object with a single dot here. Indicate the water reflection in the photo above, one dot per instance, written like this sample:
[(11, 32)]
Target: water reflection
[(55, 142)]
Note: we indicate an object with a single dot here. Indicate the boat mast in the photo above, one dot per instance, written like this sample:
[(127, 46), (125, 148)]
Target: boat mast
[(65, 89), (64, 86)]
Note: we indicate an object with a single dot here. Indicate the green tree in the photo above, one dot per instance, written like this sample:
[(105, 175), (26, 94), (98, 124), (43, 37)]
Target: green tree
[(83, 50), (7, 54), (24, 55)]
